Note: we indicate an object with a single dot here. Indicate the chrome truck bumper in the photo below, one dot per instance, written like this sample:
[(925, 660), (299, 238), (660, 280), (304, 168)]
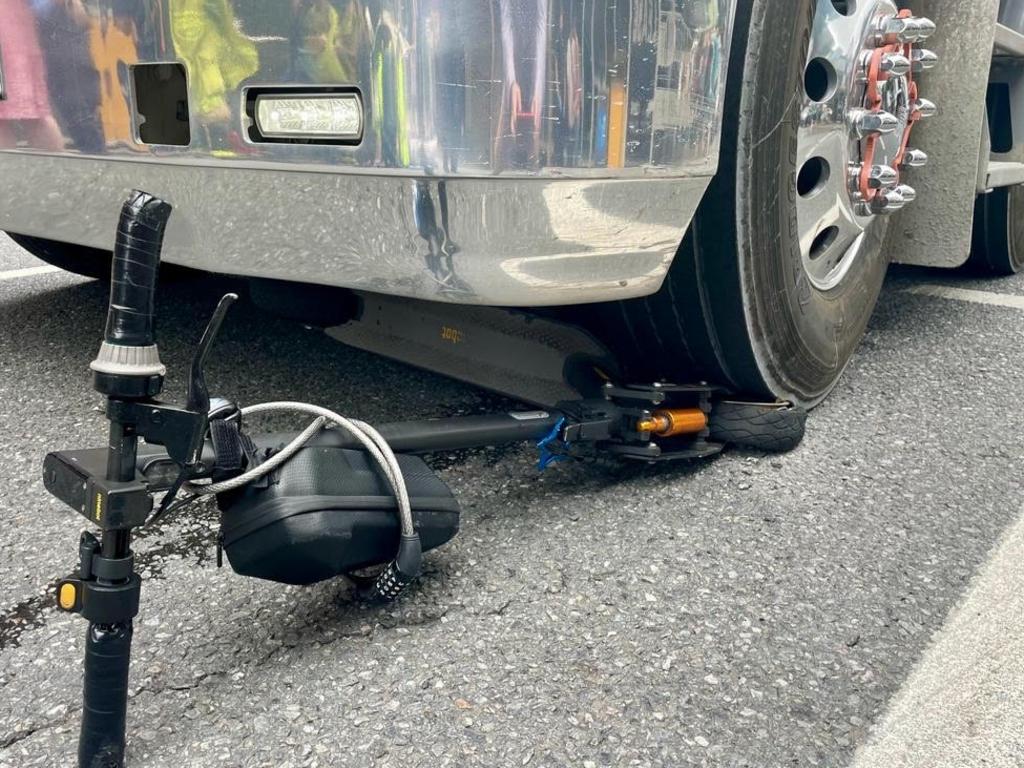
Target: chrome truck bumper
[(514, 152)]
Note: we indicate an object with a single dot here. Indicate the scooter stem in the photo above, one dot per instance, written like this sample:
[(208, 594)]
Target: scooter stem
[(127, 368)]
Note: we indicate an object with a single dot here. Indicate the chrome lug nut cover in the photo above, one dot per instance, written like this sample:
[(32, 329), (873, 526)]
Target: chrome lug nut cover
[(914, 158), (889, 201), (867, 123), (889, 65), (924, 108), (906, 29), (923, 59), (882, 177), (925, 28), (907, 192), (895, 65), (893, 29)]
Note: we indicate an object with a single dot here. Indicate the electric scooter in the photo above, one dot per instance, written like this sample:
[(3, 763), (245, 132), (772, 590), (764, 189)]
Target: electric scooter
[(335, 499)]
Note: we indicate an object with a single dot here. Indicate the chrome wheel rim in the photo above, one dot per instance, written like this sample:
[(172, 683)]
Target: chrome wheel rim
[(859, 105)]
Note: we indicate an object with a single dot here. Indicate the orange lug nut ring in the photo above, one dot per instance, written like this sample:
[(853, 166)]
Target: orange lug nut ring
[(874, 95)]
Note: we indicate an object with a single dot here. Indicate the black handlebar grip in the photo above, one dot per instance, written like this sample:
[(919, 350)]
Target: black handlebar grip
[(107, 653), (140, 235)]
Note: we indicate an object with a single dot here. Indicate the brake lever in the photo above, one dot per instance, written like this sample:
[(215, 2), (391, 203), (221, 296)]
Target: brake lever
[(197, 402), (198, 398)]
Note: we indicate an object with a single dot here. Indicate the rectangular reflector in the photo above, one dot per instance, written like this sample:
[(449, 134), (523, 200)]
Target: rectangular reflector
[(305, 116)]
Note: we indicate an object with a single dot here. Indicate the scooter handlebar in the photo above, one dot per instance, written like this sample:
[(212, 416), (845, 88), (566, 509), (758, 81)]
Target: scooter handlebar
[(140, 234)]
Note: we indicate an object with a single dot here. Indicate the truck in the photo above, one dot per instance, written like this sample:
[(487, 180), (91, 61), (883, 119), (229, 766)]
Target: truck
[(704, 190)]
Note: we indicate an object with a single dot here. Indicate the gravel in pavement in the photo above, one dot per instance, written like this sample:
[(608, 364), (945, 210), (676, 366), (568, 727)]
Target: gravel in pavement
[(748, 611)]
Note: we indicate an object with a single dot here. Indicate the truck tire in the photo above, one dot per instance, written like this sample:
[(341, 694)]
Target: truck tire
[(762, 297), (81, 259), (998, 246)]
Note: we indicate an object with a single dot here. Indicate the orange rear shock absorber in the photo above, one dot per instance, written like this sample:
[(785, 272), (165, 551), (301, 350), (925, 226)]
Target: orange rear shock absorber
[(674, 422)]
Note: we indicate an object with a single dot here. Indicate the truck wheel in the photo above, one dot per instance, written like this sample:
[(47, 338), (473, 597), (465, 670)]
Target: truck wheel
[(998, 247), (774, 284), (81, 259)]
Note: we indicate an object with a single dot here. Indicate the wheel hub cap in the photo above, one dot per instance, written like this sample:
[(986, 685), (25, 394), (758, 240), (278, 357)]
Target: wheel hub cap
[(860, 105)]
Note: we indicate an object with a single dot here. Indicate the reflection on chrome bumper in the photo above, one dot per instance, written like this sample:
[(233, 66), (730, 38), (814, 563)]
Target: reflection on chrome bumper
[(470, 241), (514, 151)]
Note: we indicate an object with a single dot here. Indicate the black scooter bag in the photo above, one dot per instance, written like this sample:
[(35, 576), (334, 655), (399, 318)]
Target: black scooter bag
[(329, 511)]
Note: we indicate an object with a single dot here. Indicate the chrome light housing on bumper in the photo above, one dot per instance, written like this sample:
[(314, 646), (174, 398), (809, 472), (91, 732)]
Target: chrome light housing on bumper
[(517, 152)]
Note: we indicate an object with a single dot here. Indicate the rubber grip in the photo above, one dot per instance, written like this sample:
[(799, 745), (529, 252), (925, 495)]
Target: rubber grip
[(107, 654), (140, 236)]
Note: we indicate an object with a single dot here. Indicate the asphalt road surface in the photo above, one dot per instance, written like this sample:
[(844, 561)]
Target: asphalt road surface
[(748, 611)]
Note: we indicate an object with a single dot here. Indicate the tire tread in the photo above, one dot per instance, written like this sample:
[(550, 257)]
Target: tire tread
[(770, 428)]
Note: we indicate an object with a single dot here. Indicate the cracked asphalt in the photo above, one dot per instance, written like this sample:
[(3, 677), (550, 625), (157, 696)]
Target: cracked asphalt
[(748, 611)]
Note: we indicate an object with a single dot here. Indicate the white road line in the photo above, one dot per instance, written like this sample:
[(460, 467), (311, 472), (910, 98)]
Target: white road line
[(16, 274), (964, 294), (963, 705)]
